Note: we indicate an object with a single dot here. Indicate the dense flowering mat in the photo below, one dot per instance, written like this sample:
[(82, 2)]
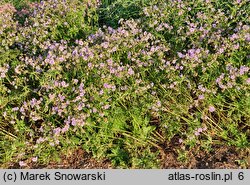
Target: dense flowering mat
[(136, 83)]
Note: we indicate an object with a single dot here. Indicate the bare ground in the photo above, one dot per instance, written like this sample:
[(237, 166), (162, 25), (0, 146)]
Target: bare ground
[(220, 158)]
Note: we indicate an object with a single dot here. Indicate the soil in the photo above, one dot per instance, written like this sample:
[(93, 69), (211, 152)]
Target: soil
[(80, 160), (220, 157)]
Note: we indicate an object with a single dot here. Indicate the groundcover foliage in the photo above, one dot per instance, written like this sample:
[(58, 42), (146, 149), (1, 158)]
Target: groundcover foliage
[(121, 79)]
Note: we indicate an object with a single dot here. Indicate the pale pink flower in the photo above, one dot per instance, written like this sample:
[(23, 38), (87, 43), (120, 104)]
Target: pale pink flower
[(34, 159), (22, 163), (196, 133), (211, 108), (204, 128), (180, 141), (130, 71), (199, 130), (201, 97), (248, 81)]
